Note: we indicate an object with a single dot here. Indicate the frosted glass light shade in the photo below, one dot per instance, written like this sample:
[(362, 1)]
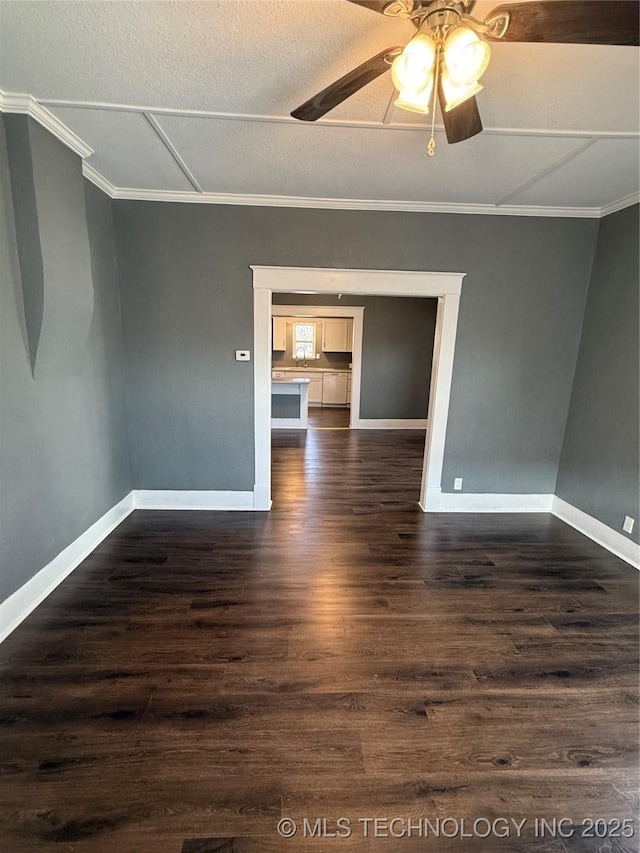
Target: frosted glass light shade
[(454, 94), (466, 56), (411, 70), (416, 102)]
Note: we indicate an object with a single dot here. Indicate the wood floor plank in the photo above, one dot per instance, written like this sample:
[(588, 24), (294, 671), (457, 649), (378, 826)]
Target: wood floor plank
[(203, 675)]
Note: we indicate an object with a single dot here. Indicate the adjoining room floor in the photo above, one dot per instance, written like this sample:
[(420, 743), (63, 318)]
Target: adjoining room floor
[(329, 417), (203, 675)]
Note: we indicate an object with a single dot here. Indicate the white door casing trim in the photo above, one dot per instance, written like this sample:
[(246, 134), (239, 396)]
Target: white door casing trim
[(445, 286)]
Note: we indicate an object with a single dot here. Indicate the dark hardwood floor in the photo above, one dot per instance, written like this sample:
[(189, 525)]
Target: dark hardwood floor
[(203, 675), (329, 417)]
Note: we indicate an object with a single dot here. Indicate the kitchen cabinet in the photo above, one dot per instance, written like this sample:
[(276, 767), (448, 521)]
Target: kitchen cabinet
[(349, 389), (334, 389), (279, 334), (337, 334)]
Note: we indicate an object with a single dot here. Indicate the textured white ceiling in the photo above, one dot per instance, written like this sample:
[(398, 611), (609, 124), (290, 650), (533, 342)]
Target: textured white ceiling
[(264, 58), (303, 160)]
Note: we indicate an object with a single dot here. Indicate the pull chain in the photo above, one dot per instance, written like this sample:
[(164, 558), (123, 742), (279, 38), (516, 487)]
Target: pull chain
[(431, 147)]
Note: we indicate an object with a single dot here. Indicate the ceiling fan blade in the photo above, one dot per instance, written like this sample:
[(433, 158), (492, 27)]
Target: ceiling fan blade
[(374, 5), (461, 123), (337, 92), (572, 21)]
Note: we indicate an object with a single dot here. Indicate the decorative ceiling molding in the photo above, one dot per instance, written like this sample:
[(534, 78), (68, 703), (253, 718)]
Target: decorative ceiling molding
[(615, 206), (187, 197), (168, 144), (334, 122), (553, 167), (96, 178), (27, 105)]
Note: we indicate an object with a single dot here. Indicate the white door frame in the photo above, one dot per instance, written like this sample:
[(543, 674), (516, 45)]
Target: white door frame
[(355, 313), (446, 287)]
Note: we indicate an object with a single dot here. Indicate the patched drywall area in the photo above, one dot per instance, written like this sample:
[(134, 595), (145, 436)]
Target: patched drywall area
[(47, 190)]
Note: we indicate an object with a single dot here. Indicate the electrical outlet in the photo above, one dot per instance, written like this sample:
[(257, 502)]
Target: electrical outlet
[(628, 524), (457, 484)]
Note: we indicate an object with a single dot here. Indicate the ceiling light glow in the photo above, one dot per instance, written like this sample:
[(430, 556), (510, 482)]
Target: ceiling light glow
[(416, 102), (454, 94), (466, 56), (411, 70)]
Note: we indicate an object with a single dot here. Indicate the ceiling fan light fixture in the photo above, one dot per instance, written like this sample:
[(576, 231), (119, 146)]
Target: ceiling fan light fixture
[(411, 71), (454, 94), (416, 102), (466, 56)]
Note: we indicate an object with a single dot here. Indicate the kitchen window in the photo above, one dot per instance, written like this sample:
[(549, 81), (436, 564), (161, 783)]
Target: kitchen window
[(304, 340)]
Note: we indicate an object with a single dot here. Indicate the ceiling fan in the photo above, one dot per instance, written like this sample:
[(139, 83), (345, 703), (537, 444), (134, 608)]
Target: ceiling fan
[(450, 51)]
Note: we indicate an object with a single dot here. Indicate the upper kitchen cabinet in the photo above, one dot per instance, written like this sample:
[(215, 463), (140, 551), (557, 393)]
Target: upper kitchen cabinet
[(337, 335), (279, 334)]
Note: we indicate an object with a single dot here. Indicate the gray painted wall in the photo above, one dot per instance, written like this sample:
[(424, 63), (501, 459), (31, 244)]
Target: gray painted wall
[(188, 304), (599, 464), (64, 457), (397, 350)]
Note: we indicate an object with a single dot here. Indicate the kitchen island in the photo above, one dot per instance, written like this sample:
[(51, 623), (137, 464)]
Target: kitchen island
[(329, 386), (290, 403)]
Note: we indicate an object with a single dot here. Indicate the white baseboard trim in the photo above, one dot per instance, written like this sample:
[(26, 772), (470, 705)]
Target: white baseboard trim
[(601, 533), (19, 605), (287, 423), (390, 423), (469, 502), (186, 499), (24, 600)]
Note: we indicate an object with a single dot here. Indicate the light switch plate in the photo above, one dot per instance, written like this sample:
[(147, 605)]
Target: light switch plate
[(243, 355), (628, 524)]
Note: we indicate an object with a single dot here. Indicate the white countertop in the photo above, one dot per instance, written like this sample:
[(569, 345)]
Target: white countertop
[(311, 370), (299, 381)]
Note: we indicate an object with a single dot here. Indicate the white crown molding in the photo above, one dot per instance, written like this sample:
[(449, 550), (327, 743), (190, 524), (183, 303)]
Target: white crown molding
[(246, 199), (615, 206), (27, 105), (99, 180)]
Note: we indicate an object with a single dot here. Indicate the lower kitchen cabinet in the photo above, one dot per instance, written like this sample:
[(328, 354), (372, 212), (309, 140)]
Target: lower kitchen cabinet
[(334, 389)]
